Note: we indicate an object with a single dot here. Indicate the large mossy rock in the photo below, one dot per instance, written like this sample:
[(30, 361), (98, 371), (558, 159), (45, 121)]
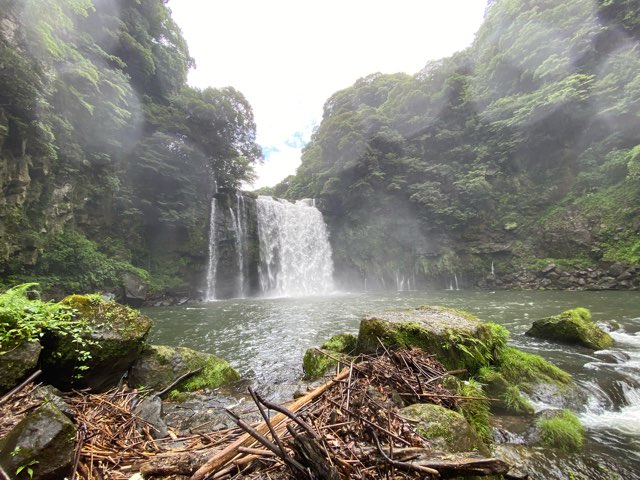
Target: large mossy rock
[(42, 443), (158, 366), (459, 339), (317, 362), (573, 327), (113, 341), (17, 362), (446, 430)]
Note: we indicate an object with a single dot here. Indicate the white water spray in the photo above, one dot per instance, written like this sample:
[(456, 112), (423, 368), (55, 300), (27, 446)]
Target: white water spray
[(212, 266), (295, 255)]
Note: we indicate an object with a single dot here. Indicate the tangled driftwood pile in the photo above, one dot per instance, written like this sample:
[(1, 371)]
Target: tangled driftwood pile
[(350, 427)]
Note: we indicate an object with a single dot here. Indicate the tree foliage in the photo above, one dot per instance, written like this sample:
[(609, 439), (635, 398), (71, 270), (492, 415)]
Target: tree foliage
[(101, 134), (541, 109)]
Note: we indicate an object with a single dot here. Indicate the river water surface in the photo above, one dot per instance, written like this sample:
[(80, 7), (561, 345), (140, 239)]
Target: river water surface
[(265, 340)]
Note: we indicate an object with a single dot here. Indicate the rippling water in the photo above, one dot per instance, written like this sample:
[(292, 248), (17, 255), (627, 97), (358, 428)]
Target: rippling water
[(265, 339)]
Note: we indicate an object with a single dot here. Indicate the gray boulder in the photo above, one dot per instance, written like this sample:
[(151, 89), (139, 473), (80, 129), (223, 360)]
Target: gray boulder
[(41, 444), (158, 366), (17, 362), (114, 340)]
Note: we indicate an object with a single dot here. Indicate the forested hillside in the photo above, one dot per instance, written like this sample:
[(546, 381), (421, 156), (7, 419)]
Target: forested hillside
[(107, 158), (521, 151)]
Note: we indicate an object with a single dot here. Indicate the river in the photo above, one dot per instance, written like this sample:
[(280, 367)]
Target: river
[(265, 339)]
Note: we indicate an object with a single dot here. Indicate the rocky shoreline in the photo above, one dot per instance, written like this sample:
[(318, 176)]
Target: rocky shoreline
[(615, 276), (480, 381)]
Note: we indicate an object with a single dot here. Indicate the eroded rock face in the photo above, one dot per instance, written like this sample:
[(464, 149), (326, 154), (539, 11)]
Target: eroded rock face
[(115, 340), (16, 362), (160, 365), (574, 327), (43, 442)]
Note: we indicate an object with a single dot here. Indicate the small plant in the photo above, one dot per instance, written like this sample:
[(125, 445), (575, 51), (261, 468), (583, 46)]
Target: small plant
[(476, 411), (562, 431), (515, 401), (23, 318), (27, 467)]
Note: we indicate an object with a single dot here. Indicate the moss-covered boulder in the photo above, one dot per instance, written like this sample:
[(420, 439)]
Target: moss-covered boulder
[(574, 327), (459, 339), (98, 356), (41, 446), (317, 362), (446, 430), (17, 362), (341, 343), (158, 366)]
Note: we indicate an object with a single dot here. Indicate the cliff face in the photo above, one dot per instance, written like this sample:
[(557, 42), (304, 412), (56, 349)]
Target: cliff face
[(520, 152), (107, 159)]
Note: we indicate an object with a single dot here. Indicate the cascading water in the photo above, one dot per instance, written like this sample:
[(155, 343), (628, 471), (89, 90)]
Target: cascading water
[(240, 228), (212, 265), (295, 255)]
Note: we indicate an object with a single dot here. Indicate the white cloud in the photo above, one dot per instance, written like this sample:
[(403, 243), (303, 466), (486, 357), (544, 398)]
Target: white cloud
[(287, 57)]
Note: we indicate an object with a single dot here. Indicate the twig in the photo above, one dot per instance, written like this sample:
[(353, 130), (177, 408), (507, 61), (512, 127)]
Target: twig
[(371, 424), (16, 389), (265, 441), (178, 380), (403, 465), (288, 413), (221, 458), (274, 435), (256, 451)]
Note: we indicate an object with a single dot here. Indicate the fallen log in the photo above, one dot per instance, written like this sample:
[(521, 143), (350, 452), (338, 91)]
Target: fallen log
[(464, 466)]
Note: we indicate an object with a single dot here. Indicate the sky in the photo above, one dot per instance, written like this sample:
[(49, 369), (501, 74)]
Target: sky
[(288, 57)]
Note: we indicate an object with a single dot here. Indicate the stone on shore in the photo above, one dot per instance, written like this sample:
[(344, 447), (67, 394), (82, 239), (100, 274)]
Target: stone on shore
[(113, 341), (158, 366), (41, 445), (17, 362)]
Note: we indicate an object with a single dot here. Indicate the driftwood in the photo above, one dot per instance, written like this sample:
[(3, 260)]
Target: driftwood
[(350, 428), (173, 384), (458, 466), (224, 456), (7, 396)]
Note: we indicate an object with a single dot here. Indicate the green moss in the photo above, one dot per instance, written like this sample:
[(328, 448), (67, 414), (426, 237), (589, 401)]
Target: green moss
[(475, 411), (315, 364), (99, 313), (526, 369), (444, 428), (342, 343), (573, 327), (562, 431), (215, 372), (507, 395), (458, 338)]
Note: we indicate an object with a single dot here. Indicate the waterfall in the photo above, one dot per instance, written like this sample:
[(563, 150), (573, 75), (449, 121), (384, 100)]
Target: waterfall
[(456, 279), (241, 241), (493, 272), (295, 255), (212, 266)]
